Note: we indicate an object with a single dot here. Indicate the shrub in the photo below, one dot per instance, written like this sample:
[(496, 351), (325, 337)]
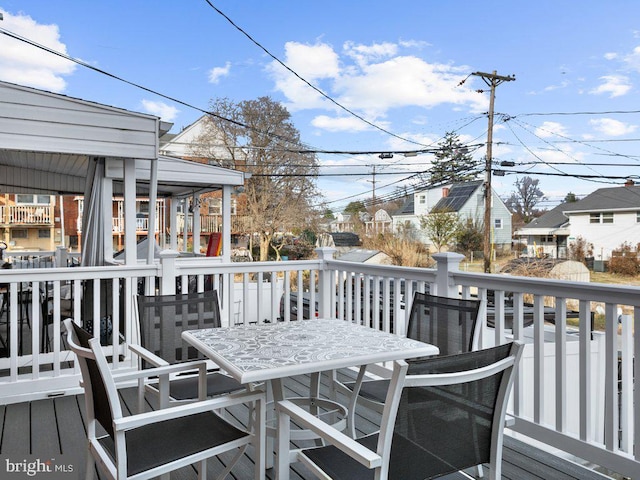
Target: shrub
[(624, 260), (579, 250)]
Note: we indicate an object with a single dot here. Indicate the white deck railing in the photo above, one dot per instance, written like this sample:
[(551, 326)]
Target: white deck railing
[(575, 390)]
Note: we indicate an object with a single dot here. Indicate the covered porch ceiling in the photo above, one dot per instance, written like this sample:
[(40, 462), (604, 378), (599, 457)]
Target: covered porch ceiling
[(48, 139)]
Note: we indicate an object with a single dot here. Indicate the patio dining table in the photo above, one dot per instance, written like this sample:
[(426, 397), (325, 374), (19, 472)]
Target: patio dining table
[(274, 352)]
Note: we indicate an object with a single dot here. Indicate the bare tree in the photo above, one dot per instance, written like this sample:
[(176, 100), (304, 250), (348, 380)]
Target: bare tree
[(523, 200), (257, 136)]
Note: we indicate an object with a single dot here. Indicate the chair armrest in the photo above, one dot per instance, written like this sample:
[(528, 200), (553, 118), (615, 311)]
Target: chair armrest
[(200, 365), (336, 438), (138, 420), (145, 354)]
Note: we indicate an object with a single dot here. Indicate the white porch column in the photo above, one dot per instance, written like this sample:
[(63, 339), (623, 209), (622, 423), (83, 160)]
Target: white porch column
[(185, 225), (153, 196), (173, 223), (107, 218), (447, 262), (196, 224), (226, 223), (130, 256), (326, 284)]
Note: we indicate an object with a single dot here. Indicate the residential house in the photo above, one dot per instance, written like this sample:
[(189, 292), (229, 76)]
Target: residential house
[(605, 219), (185, 145), (30, 221), (381, 222), (346, 222), (466, 199)]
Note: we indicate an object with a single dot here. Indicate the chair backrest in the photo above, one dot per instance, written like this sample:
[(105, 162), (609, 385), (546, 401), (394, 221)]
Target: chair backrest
[(448, 323), (163, 318), (97, 397), (451, 413)]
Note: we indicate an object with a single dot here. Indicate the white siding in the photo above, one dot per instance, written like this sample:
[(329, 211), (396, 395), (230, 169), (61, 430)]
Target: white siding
[(605, 237), (38, 121), (431, 197)]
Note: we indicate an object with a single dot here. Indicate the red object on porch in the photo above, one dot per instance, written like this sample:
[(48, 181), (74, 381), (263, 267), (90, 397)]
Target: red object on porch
[(215, 245)]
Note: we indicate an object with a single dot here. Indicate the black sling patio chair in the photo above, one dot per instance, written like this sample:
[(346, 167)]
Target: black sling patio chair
[(441, 415), (161, 320), (448, 323), (147, 445)]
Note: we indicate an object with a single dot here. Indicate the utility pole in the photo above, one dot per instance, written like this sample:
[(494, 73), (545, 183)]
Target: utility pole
[(492, 80), (373, 185)]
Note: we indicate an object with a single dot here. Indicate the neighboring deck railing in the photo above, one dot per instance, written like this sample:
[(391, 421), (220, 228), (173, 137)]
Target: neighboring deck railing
[(575, 390)]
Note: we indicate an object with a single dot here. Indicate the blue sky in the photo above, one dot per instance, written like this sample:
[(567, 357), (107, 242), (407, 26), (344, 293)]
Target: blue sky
[(575, 102)]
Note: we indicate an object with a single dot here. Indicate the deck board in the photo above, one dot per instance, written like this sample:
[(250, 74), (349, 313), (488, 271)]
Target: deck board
[(56, 426), (16, 434), (44, 432)]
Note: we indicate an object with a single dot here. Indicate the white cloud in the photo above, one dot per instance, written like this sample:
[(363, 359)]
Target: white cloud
[(611, 55), (633, 59), (551, 129), (364, 54), (339, 124), (314, 63), (370, 80), (612, 127), (28, 65), (614, 85), (216, 73), (160, 109)]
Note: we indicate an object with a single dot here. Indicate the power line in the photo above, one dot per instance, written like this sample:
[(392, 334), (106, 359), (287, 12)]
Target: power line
[(339, 105), (606, 112)]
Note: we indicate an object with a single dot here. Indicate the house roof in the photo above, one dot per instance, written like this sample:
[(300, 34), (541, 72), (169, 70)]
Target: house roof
[(359, 255), (408, 208), (607, 199), (459, 194), (603, 199), (554, 218), (345, 239)]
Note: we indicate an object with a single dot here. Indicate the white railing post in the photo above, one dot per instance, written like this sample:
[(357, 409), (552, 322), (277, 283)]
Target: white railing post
[(326, 283), (61, 256), (168, 279), (447, 262)]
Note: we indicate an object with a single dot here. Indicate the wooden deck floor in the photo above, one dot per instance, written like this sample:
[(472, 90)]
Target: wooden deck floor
[(54, 429)]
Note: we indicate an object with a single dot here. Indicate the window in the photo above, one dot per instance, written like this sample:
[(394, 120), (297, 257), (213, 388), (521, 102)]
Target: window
[(19, 233), (497, 223), (33, 199), (44, 233), (637, 217), (215, 206), (605, 217), (422, 199)]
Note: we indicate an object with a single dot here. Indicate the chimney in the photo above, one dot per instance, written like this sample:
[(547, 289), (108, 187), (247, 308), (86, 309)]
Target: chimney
[(445, 192), (629, 183)]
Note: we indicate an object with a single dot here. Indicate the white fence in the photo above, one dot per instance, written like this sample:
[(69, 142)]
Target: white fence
[(575, 387)]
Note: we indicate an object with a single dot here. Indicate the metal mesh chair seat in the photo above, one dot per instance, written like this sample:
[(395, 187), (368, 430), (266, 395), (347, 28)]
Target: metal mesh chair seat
[(160, 443), (445, 416)]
